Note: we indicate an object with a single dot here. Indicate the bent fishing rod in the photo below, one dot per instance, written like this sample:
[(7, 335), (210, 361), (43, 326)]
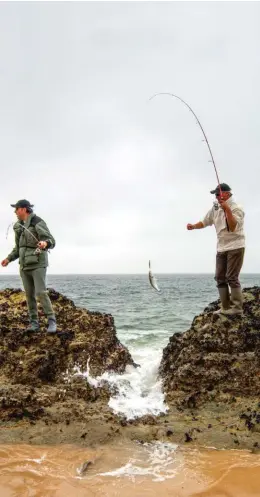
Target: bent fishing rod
[(37, 250), (200, 125)]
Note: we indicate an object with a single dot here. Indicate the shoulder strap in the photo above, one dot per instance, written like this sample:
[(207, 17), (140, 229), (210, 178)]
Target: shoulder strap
[(35, 220)]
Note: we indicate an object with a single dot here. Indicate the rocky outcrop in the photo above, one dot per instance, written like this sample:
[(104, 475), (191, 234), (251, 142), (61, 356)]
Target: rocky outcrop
[(37, 370), (217, 358), (43, 401)]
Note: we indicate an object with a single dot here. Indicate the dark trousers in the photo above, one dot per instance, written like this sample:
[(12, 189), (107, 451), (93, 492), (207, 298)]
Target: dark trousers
[(228, 267)]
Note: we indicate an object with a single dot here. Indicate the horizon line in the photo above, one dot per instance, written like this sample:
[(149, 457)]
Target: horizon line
[(132, 274)]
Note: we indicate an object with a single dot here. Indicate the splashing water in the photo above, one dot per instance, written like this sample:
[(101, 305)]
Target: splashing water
[(156, 462), (138, 390)]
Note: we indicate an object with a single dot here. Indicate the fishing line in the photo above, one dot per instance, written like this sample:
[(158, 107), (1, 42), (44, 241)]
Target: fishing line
[(151, 278)]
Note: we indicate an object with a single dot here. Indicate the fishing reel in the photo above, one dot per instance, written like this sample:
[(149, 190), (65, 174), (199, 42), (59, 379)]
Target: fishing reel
[(216, 205), (37, 251)]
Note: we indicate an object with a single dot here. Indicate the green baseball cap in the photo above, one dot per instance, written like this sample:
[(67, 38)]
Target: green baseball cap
[(22, 204), (224, 188)]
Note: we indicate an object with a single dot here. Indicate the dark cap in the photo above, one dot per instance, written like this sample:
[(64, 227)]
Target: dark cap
[(224, 188), (23, 204)]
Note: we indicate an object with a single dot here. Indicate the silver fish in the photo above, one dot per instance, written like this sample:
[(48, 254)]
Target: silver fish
[(83, 468), (152, 279)]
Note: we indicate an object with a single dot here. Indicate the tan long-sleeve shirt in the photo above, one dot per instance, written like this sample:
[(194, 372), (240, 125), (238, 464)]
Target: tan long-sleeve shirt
[(227, 240)]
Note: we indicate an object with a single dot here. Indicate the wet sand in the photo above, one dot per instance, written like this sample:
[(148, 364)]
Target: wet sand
[(126, 470), (213, 425)]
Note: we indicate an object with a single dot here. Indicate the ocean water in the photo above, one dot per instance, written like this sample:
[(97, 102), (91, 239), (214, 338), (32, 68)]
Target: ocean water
[(144, 319), (127, 470)]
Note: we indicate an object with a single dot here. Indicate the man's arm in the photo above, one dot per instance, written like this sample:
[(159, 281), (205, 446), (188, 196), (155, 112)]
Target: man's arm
[(15, 252), (13, 255), (197, 226), (207, 221), (232, 218), (45, 235)]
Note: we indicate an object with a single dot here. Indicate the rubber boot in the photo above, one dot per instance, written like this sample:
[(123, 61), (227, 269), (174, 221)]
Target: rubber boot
[(34, 326), (52, 327), (224, 300), (236, 303)]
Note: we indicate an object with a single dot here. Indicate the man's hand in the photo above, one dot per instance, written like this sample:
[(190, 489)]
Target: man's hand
[(197, 226), (5, 262), (224, 205), (42, 245)]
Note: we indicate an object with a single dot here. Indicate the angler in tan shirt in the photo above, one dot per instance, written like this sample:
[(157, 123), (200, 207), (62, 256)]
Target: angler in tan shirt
[(228, 219)]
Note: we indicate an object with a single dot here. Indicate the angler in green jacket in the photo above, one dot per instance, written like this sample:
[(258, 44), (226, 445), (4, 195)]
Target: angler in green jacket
[(32, 242)]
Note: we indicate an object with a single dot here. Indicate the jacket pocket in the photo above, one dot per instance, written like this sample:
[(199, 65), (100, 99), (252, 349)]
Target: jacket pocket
[(30, 259)]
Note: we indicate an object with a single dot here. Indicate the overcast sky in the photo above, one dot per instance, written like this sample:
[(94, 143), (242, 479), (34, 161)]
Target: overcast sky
[(117, 178)]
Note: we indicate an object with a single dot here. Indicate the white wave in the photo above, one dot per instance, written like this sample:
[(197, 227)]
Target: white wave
[(139, 391), (157, 461), (38, 461)]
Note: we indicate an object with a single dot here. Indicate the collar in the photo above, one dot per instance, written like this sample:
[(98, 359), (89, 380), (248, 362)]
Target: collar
[(28, 220), (229, 201)]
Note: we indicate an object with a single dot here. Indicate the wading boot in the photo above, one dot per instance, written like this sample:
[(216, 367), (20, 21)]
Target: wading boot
[(52, 327), (236, 303), (224, 300)]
